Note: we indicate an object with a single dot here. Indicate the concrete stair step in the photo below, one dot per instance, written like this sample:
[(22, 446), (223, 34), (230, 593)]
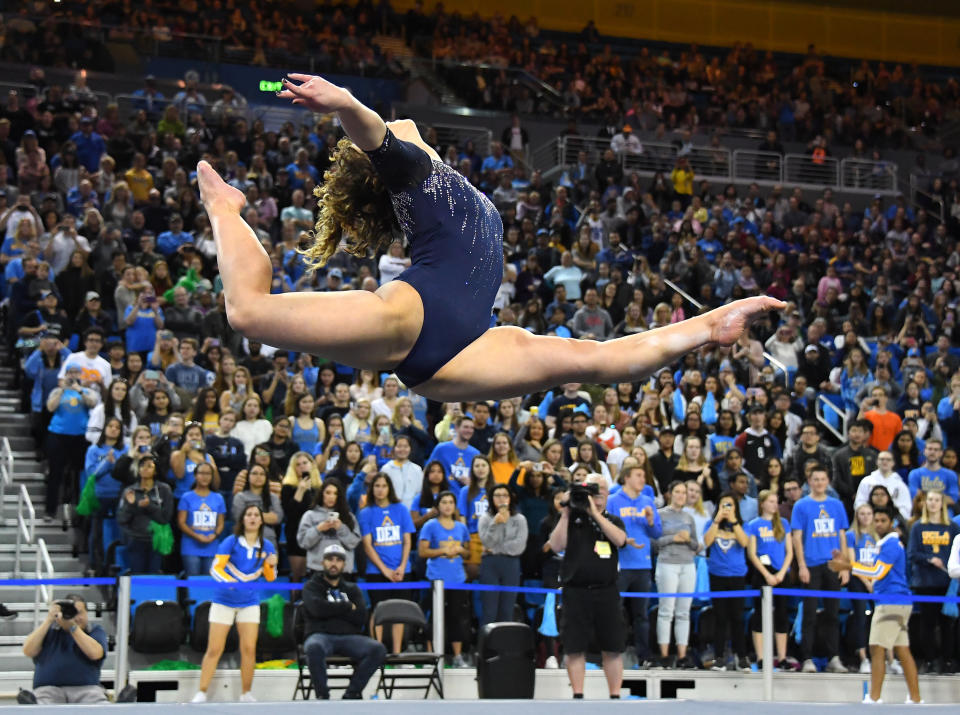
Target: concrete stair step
[(21, 443)]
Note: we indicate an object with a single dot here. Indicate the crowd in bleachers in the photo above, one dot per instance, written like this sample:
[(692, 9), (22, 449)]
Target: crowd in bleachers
[(151, 410)]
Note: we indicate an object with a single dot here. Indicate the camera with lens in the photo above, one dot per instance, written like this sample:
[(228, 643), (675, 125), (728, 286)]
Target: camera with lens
[(580, 496), (68, 609)]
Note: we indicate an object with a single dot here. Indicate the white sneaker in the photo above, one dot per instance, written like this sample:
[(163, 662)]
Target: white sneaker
[(894, 667), (200, 697), (865, 666), (458, 662), (836, 665), (808, 666), (867, 700), (551, 663), (908, 701), (247, 697)]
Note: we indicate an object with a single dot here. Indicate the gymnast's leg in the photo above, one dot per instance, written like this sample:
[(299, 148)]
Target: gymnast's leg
[(508, 361), (355, 327)]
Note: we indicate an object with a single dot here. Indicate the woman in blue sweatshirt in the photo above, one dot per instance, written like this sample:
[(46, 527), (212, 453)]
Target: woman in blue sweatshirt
[(927, 553), (727, 563), (98, 465)]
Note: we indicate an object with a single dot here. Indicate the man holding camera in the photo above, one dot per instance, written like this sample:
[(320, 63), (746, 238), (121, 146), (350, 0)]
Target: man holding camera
[(590, 538), (68, 653)]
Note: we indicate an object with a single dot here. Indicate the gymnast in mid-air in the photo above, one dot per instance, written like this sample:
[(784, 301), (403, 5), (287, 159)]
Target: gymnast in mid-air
[(431, 326)]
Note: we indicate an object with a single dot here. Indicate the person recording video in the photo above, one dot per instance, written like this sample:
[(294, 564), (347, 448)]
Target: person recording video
[(589, 538)]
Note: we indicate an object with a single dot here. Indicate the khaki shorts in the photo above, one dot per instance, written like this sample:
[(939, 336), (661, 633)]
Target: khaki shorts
[(889, 626), (228, 615)]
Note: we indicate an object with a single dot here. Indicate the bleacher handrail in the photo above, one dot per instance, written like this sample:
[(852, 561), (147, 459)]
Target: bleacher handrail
[(822, 402), (44, 570), (26, 526), (6, 474)]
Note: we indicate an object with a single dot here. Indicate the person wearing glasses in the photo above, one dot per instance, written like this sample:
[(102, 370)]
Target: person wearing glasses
[(885, 476), (792, 492), (94, 370)]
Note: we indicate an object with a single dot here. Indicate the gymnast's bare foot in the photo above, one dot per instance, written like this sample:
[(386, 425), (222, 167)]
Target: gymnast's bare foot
[(215, 193), (728, 322)]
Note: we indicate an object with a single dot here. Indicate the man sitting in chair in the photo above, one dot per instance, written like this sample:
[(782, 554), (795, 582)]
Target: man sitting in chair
[(334, 616)]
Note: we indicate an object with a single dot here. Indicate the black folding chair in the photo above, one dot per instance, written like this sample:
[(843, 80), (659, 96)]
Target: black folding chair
[(304, 687), (398, 610)]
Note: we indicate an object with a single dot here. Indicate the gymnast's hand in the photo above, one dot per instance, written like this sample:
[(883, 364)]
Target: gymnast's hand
[(315, 93), (729, 322)]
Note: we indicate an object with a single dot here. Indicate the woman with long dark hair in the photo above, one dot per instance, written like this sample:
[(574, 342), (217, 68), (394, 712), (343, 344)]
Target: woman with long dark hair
[(330, 521), (387, 539), (244, 556), (424, 506), (503, 532), (116, 403), (200, 516), (256, 491)]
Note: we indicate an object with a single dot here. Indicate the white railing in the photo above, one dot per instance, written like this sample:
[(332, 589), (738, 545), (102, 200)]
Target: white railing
[(458, 135), (720, 163), (6, 474), (863, 174), (42, 593), (26, 526), (758, 165), (804, 169), (822, 404)]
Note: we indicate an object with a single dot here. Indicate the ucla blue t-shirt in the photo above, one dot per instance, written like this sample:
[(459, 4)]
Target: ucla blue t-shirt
[(141, 334), (820, 523), (939, 480), (244, 560), (767, 544), (202, 518), (630, 510), (719, 444), (726, 557), (472, 511), (864, 548), (71, 414), (441, 567), (386, 526), (455, 461)]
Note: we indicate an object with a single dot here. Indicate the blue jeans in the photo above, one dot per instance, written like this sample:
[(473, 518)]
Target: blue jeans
[(366, 652), (196, 565), (141, 558), (499, 570), (638, 581)]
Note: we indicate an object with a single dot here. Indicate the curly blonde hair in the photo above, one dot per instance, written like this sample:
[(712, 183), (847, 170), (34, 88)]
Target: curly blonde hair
[(354, 204)]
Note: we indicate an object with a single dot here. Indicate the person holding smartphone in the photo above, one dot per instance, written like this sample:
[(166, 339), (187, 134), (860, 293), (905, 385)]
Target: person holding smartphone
[(503, 532), (142, 320), (727, 563)]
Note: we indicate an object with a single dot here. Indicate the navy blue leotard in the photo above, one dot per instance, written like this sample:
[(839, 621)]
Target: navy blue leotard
[(456, 249)]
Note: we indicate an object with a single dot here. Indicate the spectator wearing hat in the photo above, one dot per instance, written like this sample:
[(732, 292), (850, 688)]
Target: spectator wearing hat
[(90, 145), (93, 314), (334, 617), (626, 142), (171, 240), (48, 315), (42, 367), (756, 443)]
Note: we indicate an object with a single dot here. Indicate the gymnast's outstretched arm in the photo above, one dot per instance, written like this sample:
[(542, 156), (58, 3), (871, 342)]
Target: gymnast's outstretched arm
[(364, 126)]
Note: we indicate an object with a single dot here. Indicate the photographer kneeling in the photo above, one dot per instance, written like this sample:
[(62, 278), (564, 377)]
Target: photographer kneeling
[(68, 654), (590, 539)]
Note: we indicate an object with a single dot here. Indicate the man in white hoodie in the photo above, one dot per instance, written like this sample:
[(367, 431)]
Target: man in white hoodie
[(884, 476)]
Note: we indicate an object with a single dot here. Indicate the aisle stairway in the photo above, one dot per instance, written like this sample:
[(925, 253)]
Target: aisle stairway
[(15, 426)]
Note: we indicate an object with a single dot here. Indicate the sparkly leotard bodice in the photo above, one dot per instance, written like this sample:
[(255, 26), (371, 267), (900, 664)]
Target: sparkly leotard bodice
[(456, 248)]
